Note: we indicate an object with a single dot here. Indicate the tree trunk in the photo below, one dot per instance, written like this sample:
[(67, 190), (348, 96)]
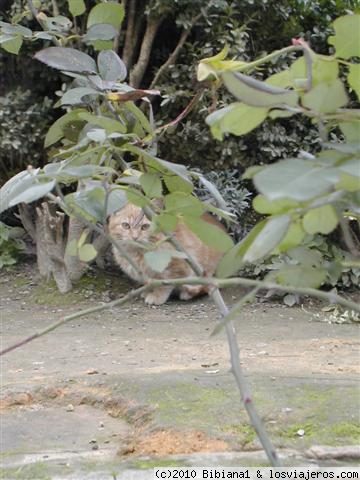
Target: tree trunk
[(137, 73), (131, 35), (74, 265), (50, 246)]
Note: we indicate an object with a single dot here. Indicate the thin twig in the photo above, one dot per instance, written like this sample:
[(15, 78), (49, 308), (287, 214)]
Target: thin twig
[(174, 54), (132, 294), (236, 369), (263, 284), (215, 282)]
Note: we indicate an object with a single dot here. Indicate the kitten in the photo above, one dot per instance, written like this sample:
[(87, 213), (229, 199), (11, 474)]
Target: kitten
[(130, 225)]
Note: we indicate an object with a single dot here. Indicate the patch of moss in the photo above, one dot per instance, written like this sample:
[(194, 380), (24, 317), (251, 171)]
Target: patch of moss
[(348, 430), (245, 433), (21, 282), (147, 464), (192, 405), (88, 287), (310, 429), (48, 294), (35, 471)]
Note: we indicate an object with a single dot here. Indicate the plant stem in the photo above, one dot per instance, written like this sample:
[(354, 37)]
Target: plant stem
[(243, 386), (154, 283)]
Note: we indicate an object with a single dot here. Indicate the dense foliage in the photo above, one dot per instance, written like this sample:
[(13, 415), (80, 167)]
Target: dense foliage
[(251, 29)]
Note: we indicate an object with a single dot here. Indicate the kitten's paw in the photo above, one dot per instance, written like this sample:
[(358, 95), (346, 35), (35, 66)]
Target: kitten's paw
[(158, 296), (190, 291)]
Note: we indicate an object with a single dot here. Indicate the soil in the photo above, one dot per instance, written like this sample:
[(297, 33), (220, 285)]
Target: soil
[(132, 385)]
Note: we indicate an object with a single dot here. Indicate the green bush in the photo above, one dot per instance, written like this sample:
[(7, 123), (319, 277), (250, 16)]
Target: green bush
[(10, 244), (23, 124)]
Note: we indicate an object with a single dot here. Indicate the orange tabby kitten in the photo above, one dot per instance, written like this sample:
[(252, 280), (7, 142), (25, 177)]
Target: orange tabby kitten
[(130, 225)]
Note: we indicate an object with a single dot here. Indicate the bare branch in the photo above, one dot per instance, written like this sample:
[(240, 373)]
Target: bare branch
[(175, 53), (68, 318)]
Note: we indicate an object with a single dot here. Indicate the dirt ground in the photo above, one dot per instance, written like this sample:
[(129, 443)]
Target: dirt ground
[(133, 385)]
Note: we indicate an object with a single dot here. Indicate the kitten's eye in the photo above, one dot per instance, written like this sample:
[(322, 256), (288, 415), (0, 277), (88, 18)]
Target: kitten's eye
[(145, 226), (125, 225)]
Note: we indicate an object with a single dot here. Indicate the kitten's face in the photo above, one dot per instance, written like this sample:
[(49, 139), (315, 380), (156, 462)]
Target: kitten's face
[(130, 223)]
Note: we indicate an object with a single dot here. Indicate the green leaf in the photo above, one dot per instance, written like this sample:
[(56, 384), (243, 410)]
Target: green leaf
[(109, 124), (179, 202), (139, 116), (296, 179), (263, 205), (348, 183), (250, 172), (68, 59), (293, 238), (85, 171), (270, 236), (137, 198), (208, 233), (75, 95), (14, 186), (57, 130), (116, 200), (300, 276), (100, 31), (158, 165), (32, 193), (325, 69), (351, 130), (77, 7), (159, 260), (354, 78), (112, 13), (213, 191), (256, 93), (15, 29), (347, 36), (233, 259), (96, 135), (88, 204), (280, 79), (24, 187), (12, 44), (306, 256), (83, 238), (111, 67), (177, 184), (237, 119), (352, 167), (320, 220), (326, 98), (166, 222), (151, 184), (87, 252)]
